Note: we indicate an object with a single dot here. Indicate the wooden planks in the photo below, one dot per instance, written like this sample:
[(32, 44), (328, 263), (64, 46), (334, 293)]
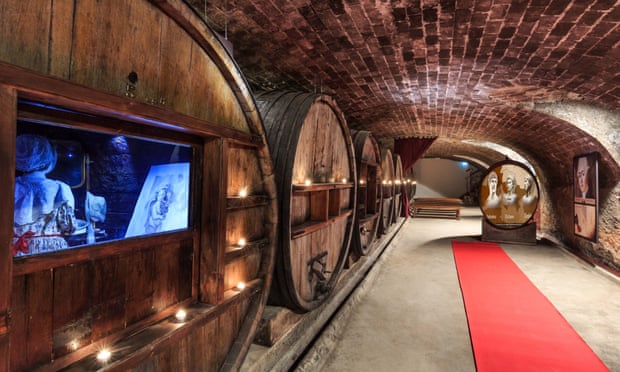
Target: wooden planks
[(8, 98), (437, 207)]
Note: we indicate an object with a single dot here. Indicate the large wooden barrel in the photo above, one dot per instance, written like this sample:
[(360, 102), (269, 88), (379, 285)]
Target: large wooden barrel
[(369, 192), (314, 165), (410, 186), (154, 106), (411, 183), (387, 183), (399, 188)]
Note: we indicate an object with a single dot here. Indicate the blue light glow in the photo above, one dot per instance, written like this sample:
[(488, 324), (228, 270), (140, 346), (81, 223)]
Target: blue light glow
[(163, 201)]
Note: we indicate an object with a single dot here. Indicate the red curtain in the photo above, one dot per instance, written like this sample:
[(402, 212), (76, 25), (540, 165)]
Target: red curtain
[(410, 150)]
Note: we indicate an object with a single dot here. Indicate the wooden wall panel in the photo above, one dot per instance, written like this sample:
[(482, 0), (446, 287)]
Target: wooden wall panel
[(213, 100), (242, 269), (30, 20), (72, 317), (167, 274), (112, 39), (19, 324), (145, 37), (229, 324), (4, 354), (202, 348), (61, 39), (7, 171), (212, 237), (245, 223), (176, 50), (244, 171), (299, 209), (173, 272), (108, 296), (31, 320), (139, 277)]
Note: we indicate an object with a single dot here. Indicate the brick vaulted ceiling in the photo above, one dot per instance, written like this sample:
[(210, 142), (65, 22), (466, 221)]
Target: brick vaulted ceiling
[(455, 69)]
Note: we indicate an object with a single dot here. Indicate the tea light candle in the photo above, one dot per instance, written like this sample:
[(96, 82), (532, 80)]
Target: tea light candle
[(241, 242), (243, 193), (74, 345), (181, 315), (308, 182), (104, 355), (241, 286)]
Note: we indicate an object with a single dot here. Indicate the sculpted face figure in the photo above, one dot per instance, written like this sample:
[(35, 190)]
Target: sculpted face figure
[(510, 197), (493, 183), (527, 184), (493, 199)]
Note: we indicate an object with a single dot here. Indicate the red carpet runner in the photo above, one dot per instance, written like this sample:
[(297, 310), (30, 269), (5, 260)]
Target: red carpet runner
[(513, 326)]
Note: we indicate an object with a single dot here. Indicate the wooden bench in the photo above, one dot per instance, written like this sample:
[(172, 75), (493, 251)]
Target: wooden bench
[(436, 207)]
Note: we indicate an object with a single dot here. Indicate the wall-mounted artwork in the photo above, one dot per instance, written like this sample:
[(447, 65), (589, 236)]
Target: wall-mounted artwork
[(585, 204), (509, 194)]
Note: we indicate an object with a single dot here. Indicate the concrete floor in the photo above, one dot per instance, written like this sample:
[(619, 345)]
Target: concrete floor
[(411, 315)]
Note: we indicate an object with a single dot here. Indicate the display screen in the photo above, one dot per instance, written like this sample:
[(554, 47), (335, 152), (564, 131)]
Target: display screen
[(80, 187), (508, 194)]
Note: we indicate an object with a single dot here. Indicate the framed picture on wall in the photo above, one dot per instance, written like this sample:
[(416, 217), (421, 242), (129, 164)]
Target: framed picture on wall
[(585, 204)]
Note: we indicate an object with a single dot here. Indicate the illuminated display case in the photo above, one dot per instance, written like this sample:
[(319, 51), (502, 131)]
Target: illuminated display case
[(77, 187)]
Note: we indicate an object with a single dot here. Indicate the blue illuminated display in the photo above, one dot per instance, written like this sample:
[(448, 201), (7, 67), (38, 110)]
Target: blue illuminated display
[(75, 188), (162, 204)]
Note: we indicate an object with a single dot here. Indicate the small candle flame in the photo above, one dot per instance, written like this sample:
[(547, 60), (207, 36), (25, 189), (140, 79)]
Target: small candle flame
[(104, 355)]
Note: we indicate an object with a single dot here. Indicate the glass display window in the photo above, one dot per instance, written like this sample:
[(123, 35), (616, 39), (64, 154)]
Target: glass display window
[(76, 187)]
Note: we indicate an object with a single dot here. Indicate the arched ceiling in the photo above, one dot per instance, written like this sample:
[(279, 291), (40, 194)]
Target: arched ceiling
[(455, 69)]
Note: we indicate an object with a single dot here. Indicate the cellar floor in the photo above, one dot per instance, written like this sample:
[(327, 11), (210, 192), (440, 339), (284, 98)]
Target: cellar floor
[(409, 314)]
